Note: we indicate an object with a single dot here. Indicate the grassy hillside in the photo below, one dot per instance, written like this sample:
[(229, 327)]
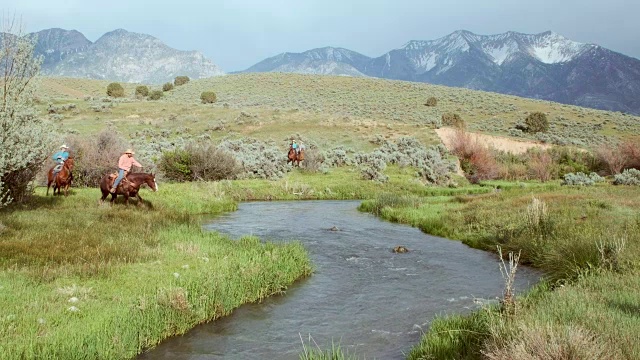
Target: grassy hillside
[(277, 105)]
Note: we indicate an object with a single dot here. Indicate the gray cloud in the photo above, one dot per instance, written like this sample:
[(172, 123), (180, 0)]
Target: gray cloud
[(237, 34)]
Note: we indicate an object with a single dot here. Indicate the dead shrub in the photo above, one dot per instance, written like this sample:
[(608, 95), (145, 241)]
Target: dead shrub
[(95, 156), (313, 160), (476, 161), (631, 152), (612, 158), (541, 165)]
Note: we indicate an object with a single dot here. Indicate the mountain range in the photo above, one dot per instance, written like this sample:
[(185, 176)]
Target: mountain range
[(544, 66), (118, 55)]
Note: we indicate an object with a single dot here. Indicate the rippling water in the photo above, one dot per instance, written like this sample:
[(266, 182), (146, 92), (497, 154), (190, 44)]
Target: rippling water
[(362, 296)]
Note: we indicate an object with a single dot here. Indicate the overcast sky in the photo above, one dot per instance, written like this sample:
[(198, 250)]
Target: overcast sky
[(236, 34)]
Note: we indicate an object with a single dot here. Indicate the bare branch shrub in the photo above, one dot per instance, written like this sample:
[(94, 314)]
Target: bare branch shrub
[(612, 158), (477, 161), (95, 156), (541, 165)]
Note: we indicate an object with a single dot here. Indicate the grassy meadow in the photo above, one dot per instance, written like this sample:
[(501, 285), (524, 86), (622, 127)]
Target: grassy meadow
[(113, 281)]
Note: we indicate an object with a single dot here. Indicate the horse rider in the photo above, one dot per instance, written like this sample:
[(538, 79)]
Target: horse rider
[(294, 146), (125, 163), (59, 157), (301, 147)]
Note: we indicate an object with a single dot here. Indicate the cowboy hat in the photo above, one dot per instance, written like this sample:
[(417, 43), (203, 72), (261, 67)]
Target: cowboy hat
[(129, 151), (64, 146)]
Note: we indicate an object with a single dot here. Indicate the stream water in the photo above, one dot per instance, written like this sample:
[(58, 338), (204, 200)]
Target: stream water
[(363, 297)]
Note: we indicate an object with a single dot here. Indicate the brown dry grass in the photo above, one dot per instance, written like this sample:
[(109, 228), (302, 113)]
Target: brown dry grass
[(447, 135)]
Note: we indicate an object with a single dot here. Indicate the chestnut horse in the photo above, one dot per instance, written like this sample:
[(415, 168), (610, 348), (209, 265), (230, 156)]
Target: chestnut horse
[(128, 187), (62, 179), (295, 158)]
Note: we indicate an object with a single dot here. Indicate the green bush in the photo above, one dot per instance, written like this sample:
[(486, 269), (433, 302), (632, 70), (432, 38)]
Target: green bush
[(142, 91), (167, 86), (115, 90), (155, 95), (176, 165), (193, 163), (181, 80), (432, 101), (208, 97), (537, 122)]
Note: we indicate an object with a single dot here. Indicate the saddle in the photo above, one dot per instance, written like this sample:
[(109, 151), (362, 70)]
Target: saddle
[(57, 168), (112, 178)]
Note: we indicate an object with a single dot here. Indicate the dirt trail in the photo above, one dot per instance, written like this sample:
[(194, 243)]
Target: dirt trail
[(497, 142)]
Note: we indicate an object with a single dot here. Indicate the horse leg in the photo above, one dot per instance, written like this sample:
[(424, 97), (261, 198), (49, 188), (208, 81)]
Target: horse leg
[(48, 185)]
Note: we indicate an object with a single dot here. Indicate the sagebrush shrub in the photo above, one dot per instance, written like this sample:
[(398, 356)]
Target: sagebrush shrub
[(25, 139), (115, 90), (582, 179), (432, 101), (208, 97), (537, 122), (627, 177), (181, 80)]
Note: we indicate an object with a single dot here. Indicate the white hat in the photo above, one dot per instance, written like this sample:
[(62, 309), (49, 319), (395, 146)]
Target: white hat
[(129, 151), (64, 146)]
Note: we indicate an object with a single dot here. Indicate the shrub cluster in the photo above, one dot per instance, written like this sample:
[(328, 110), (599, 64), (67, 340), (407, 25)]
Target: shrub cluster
[(582, 179), (257, 159), (180, 80), (372, 166), (198, 162), (449, 119), (115, 90), (627, 177)]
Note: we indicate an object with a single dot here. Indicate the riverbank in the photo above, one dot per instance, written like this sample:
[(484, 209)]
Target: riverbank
[(586, 239)]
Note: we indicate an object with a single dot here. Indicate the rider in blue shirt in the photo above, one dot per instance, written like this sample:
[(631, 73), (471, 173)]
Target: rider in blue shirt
[(294, 146), (61, 155)]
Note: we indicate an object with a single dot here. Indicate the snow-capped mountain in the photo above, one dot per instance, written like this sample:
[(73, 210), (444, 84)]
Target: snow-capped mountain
[(118, 55), (543, 66), (324, 61)]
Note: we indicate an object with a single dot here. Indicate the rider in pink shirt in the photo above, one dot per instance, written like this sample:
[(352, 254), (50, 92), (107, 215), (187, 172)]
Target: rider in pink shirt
[(125, 163)]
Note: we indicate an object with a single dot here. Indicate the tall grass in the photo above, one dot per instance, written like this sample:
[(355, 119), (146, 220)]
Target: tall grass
[(82, 280)]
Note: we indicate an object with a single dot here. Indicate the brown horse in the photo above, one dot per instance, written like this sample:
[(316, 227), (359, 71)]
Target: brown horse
[(294, 158), (62, 179), (129, 186)]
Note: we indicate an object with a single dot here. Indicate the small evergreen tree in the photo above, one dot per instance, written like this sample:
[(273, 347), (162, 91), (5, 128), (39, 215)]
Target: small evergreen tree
[(167, 86), (537, 122), (432, 101), (142, 91), (115, 90), (155, 95), (181, 80), (449, 119), (208, 97)]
